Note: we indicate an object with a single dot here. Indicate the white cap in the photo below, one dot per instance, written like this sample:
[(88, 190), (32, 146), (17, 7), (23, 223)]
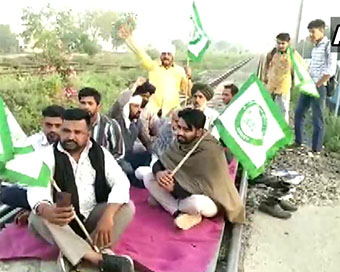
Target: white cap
[(136, 99), (168, 48)]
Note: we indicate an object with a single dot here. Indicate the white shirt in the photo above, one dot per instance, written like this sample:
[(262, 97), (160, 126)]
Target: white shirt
[(84, 178), (38, 140), (210, 115)]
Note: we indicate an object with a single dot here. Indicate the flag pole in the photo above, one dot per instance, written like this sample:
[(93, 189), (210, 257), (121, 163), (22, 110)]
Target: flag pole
[(81, 225)]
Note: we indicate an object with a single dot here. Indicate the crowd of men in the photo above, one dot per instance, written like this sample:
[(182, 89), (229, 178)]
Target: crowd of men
[(97, 157), (140, 142)]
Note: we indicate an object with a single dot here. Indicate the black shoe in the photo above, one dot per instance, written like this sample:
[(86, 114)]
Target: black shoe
[(274, 210), (115, 263), (287, 206), (264, 179)]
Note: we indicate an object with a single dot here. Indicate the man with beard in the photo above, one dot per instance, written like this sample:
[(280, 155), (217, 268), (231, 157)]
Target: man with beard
[(128, 117), (145, 89), (202, 186), (16, 196), (168, 78), (99, 196), (105, 131), (201, 94)]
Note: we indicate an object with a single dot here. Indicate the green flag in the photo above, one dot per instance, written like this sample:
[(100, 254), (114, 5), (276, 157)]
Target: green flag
[(252, 127), (18, 161), (6, 144), (199, 42), (27, 169), (303, 81)]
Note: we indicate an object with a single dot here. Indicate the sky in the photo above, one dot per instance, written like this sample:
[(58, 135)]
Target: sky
[(253, 24)]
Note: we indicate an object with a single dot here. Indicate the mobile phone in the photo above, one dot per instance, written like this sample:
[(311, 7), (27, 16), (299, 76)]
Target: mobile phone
[(63, 199)]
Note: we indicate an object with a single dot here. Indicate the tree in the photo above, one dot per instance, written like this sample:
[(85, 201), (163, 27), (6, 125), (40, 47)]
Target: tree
[(57, 34), (8, 40)]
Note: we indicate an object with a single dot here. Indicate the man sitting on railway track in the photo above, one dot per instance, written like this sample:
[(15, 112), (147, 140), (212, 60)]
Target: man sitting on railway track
[(15, 196), (202, 187), (99, 196), (128, 117), (105, 131), (201, 94)]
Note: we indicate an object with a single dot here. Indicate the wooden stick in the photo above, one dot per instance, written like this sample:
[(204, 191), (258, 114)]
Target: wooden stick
[(188, 154), (81, 225)]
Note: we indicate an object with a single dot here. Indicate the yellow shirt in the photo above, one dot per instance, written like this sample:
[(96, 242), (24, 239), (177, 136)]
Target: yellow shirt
[(280, 73), (169, 82)]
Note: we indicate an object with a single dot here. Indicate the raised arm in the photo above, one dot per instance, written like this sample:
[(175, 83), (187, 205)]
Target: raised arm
[(146, 60)]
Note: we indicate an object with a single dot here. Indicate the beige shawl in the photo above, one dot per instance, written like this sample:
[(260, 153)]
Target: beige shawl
[(206, 172)]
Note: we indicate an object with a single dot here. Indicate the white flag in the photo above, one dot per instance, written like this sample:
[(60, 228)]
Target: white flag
[(252, 127), (199, 42), (18, 161)]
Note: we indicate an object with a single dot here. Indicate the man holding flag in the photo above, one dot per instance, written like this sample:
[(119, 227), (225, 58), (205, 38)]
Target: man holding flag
[(15, 196), (168, 78)]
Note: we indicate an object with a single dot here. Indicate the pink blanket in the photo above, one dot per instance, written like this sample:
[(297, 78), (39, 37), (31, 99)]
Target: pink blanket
[(151, 239)]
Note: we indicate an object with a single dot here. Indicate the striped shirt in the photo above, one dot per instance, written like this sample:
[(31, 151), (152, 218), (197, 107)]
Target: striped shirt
[(107, 133), (323, 61)]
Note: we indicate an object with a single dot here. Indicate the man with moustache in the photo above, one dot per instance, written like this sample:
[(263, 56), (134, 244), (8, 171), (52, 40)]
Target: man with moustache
[(105, 131), (15, 196), (145, 89), (202, 186), (128, 117), (201, 94), (99, 196), (169, 79)]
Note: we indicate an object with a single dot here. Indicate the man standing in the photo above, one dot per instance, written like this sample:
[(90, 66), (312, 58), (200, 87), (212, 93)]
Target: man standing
[(279, 73), (228, 93), (168, 78), (105, 131), (99, 196), (202, 186), (201, 94), (322, 67)]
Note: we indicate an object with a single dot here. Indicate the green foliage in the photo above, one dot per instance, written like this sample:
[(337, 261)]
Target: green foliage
[(332, 135), (27, 96), (8, 40), (128, 20), (58, 33)]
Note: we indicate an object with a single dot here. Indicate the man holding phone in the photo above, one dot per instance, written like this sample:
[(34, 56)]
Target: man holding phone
[(97, 190)]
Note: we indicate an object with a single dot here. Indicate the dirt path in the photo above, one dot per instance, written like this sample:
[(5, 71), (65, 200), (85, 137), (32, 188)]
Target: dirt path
[(308, 242)]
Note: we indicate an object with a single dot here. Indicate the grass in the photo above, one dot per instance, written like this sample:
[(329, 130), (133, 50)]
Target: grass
[(26, 96)]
